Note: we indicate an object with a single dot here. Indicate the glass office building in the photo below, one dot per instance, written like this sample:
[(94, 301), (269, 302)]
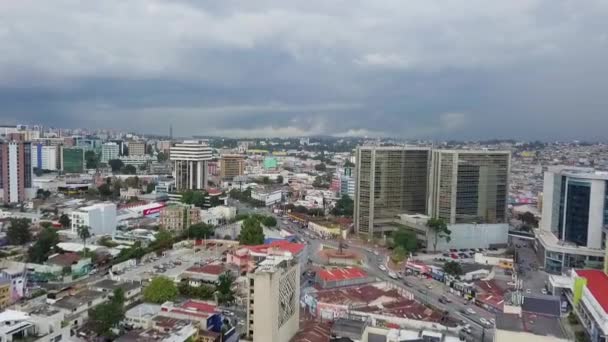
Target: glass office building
[(574, 217)]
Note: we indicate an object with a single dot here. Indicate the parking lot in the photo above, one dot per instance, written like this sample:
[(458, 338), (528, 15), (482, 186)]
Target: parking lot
[(172, 264)]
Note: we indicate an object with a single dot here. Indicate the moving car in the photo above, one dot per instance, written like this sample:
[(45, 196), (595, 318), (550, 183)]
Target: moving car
[(470, 311), (381, 267), (392, 275), (484, 321)]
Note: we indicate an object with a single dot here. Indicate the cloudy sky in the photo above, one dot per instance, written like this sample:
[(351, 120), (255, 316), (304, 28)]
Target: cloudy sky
[(462, 69)]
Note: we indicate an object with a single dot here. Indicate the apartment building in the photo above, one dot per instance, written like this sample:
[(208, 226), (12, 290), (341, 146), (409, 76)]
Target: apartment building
[(231, 166), (137, 148), (16, 171), (179, 217), (109, 151), (273, 311)]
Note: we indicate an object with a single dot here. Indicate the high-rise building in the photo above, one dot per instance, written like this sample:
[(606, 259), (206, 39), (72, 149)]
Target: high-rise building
[(390, 181), (16, 171), (72, 160), (137, 148), (273, 311), (231, 166), (109, 151), (574, 218), (190, 164), (469, 186), (45, 157)]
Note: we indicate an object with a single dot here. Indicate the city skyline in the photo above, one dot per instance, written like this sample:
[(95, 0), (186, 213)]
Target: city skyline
[(460, 70)]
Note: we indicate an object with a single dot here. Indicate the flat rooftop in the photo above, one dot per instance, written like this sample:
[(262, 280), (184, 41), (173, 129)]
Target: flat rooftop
[(530, 323), (597, 283)]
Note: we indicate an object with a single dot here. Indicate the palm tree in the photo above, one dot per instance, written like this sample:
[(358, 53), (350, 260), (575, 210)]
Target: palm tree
[(84, 232), (440, 230)]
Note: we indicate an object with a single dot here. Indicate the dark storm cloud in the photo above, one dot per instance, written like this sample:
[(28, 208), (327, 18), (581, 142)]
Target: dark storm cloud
[(529, 69)]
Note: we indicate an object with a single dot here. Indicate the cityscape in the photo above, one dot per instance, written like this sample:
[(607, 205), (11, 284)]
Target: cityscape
[(319, 171)]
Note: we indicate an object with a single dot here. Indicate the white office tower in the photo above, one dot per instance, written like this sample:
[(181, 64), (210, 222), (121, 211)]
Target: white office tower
[(190, 164), (273, 312), (109, 151), (574, 218)]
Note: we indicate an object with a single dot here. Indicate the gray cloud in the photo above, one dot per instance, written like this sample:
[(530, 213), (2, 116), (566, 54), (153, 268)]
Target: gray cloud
[(445, 69)]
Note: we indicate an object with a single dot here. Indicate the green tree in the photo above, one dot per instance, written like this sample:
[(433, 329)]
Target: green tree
[(47, 239), (279, 179), (162, 157), (128, 170), (18, 232), (65, 221), (321, 167), (91, 159), (529, 219), (105, 190), (163, 240), (132, 182), (187, 197), (160, 290), (225, 293), (344, 206), (198, 199), (439, 229), (108, 315), (116, 164), (199, 231), (405, 239), (452, 268), (251, 232), (269, 221), (92, 192), (399, 254), (84, 233), (150, 187)]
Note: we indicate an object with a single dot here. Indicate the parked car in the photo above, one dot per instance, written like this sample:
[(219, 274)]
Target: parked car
[(382, 268), (392, 275), (470, 311), (484, 321)]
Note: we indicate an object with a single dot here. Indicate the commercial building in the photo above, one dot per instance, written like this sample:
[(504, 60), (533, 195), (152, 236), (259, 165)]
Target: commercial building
[(390, 181), (190, 164), (270, 163), (72, 160), (100, 218), (179, 217), (46, 157), (109, 151), (273, 311), (574, 216), (137, 148), (337, 277), (267, 196), (5, 293), (347, 186), (16, 171), (469, 186), (231, 166)]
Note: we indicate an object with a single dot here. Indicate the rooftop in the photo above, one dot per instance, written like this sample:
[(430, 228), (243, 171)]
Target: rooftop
[(530, 323), (111, 285), (597, 283), (543, 305), (215, 269), (77, 300), (337, 274), (144, 310), (66, 259)]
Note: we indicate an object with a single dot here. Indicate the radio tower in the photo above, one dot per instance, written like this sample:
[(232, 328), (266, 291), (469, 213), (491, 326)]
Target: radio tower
[(170, 131)]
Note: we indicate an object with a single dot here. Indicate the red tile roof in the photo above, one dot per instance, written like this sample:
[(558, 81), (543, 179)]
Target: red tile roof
[(215, 269), (282, 245), (199, 306), (337, 274), (214, 192), (597, 283), (66, 259)]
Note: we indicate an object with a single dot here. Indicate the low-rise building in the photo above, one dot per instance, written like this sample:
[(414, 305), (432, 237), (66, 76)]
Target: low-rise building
[(268, 197), (140, 316), (5, 293), (76, 307), (179, 217), (347, 276), (206, 274), (205, 314), (100, 218), (163, 329), (132, 291)]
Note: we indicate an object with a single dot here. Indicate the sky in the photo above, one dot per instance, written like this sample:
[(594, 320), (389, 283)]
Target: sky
[(438, 69)]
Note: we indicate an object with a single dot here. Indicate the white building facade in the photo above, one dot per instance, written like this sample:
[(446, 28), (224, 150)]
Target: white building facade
[(574, 218), (109, 151), (190, 160), (100, 218)]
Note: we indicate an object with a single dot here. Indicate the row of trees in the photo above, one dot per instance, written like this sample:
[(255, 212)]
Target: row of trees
[(245, 196), (162, 289), (199, 199), (404, 240)]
